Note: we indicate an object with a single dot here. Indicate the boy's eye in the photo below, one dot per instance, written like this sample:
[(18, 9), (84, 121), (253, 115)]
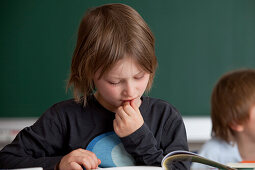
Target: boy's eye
[(139, 77), (114, 83)]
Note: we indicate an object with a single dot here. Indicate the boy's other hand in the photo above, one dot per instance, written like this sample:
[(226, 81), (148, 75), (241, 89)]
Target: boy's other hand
[(77, 158), (127, 119)]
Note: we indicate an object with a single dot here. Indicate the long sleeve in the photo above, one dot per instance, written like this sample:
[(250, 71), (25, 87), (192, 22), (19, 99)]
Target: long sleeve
[(150, 146), (142, 145), (35, 146), (64, 127)]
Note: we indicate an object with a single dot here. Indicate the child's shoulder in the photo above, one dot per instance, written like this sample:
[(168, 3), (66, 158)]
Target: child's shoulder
[(220, 151), (58, 111), (70, 105), (159, 105), (217, 146), (216, 142), (65, 106), (156, 102)]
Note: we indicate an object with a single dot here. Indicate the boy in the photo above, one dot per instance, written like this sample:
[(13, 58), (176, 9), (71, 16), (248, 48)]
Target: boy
[(109, 122), (233, 119)]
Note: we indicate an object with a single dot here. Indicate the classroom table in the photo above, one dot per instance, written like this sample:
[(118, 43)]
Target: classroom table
[(134, 168), (113, 168)]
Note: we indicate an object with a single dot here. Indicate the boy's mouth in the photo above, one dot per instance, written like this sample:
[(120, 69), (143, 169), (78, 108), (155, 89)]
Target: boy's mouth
[(127, 101)]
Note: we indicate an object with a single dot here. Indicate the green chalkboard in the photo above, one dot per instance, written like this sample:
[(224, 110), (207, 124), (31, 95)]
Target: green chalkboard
[(196, 42)]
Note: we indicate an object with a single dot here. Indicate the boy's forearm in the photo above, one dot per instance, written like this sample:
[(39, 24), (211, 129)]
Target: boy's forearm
[(12, 161), (142, 146)]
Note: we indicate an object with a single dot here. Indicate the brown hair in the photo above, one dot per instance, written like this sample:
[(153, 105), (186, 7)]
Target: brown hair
[(107, 34), (231, 101)]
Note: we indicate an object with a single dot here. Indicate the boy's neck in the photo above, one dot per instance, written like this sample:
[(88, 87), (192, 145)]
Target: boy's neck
[(246, 147)]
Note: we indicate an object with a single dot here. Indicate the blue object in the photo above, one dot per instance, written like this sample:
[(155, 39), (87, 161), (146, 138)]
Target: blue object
[(110, 150)]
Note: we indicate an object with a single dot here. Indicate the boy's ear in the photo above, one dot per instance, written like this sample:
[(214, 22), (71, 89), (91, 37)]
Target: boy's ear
[(237, 127)]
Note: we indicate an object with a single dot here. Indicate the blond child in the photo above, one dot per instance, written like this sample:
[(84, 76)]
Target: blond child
[(113, 64)]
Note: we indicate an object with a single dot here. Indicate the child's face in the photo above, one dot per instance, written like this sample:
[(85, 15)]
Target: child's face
[(126, 81), (249, 126)]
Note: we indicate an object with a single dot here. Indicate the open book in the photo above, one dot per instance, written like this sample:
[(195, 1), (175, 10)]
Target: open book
[(175, 156)]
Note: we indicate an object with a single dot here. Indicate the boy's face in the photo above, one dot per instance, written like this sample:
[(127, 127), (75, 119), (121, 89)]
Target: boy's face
[(249, 126), (126, 81)]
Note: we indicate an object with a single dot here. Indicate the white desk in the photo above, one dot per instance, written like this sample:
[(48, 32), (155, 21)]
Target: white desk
[(134, 168)]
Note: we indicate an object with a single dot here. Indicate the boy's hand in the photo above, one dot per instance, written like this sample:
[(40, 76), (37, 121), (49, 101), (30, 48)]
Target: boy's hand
[(77, 158), (127, 119)]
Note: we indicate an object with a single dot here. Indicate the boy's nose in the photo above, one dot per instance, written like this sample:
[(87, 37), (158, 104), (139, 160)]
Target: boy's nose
[(129, 90)]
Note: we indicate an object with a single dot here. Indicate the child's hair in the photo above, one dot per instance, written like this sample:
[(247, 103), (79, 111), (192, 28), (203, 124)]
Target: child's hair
[(106, 35), (231, 101)]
